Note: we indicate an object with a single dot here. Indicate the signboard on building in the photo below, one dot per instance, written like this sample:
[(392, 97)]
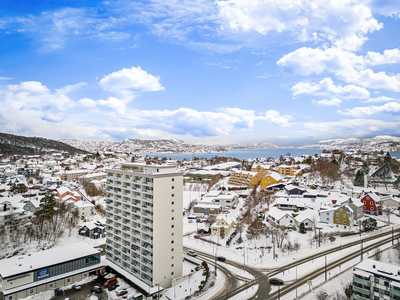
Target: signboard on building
[(17, 281), (43, 273)]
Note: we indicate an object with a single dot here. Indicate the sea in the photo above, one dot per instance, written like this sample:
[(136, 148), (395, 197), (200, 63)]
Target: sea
[(244, 153)]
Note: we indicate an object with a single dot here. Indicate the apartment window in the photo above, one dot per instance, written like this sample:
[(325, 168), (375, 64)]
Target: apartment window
[(172, 265), (173, 179), (337, 220), (158, 170), (172, 257), (337, 215), (376, 281), (386, 283), (172, 233), (172, 242), (172, 187), (172, 218), (172, 210), (344, 216), (172, 249), (344, 221), (172, 226), (371, 203), (172, 273), (172, 195), (372, 208), (172, 202)]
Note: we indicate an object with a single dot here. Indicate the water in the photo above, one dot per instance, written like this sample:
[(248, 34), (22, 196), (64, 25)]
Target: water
[(245, 153), (238, 153)]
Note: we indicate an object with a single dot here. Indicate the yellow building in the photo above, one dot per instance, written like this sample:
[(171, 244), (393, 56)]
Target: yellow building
[(287, 170), (261, 168), (343, 218), (224, 225), (270, 178), (244, 178)]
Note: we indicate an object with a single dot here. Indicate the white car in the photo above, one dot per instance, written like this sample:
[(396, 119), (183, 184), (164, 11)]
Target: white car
[(192, 253)]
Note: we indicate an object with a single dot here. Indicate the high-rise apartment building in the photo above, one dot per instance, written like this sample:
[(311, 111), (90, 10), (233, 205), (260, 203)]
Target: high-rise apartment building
[(145, 221)]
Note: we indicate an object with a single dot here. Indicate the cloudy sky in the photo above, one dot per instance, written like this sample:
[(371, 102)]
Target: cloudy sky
[(288, 72)]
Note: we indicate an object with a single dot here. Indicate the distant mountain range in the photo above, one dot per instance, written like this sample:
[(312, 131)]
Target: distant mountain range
[(136, 145), (380, 142), (15, 144)]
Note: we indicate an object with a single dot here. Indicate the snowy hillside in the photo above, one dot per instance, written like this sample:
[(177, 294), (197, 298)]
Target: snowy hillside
[(381, 142), (252, 146), (136, 145)]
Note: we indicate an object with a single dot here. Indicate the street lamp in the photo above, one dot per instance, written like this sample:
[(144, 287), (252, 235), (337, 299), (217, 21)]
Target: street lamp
[(296, 279)]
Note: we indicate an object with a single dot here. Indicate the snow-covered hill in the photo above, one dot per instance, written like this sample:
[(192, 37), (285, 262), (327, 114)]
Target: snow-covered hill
[(136, 145), (380, 142), (252, 146)]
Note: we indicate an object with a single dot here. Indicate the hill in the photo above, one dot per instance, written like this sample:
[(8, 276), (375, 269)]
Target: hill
[(11, 144), (136, 145), (380, 142)]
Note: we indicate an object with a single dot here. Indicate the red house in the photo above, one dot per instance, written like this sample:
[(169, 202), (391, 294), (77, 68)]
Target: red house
[(372, 204)]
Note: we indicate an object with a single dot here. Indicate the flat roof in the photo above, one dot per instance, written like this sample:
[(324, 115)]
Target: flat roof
[(38, 260)]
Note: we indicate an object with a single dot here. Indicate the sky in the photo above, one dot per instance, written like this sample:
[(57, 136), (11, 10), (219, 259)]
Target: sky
[(288, 72)]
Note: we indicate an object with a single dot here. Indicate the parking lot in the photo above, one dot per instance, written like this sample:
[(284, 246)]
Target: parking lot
[(85, 292)]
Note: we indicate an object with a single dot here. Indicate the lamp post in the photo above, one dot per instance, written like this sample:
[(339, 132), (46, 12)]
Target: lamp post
[(296, 278)]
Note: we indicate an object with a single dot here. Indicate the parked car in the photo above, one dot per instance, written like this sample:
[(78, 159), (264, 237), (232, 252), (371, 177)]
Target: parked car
[(276, 281), (110, 281), (58, 291), (192, 253), (121, 293), (76, 287), (221, 258), (96, 289), (113, 287)]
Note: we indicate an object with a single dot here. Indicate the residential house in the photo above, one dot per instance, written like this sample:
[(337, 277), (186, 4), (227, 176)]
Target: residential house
[(372, 204), (32, 205), (207, 209), (65, 194), (244, 178), (308, 224), (85, 208), (287, 170), (93, 230), (270, 179), (358, 208), (89, 177), (261, 168), (222, 225), (390, 202), (280, 218), (290, 204), (343, 218), (294, 190)]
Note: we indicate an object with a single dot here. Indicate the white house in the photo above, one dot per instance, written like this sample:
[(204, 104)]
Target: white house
[(280, 218)]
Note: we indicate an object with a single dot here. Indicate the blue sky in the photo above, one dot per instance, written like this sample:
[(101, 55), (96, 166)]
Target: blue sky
[(214, 72)]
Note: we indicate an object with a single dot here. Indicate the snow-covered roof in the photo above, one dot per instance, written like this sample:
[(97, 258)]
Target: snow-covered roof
[(62, 190), (28, 263), (83, 203), (213, 193), (383, 269), (277, 213)]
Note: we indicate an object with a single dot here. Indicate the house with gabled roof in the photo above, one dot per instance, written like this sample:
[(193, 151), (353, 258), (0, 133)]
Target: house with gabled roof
[(223, 224), (280, 218)]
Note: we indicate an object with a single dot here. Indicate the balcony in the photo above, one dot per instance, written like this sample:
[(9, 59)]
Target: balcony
[(394, 292), (361, 290), (358, 297), (361, 281)]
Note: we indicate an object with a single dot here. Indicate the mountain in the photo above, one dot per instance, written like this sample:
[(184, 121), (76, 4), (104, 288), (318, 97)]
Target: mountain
[(253, 146), (136, 145), (380, 142), (16, 144)]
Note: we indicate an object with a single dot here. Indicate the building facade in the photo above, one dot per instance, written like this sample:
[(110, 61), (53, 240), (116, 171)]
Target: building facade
[(145, 222), (27, 275), (376, 280)]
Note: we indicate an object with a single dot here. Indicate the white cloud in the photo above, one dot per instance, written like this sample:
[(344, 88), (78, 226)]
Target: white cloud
[(327, 102), (348, 128), (380, 99), (344, 23), (114, 103), (391, 107), (128, 82), (276, 118), (346, 65), (326, 87)]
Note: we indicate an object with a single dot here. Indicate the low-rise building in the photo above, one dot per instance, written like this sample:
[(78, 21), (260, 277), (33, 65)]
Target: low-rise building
[(222, 225), (280, 218), (207, 210), (26, 275), (376, 280)]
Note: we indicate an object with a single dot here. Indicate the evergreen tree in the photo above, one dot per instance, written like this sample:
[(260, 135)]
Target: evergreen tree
[(302, 228), (48, 205), (359, 179)]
